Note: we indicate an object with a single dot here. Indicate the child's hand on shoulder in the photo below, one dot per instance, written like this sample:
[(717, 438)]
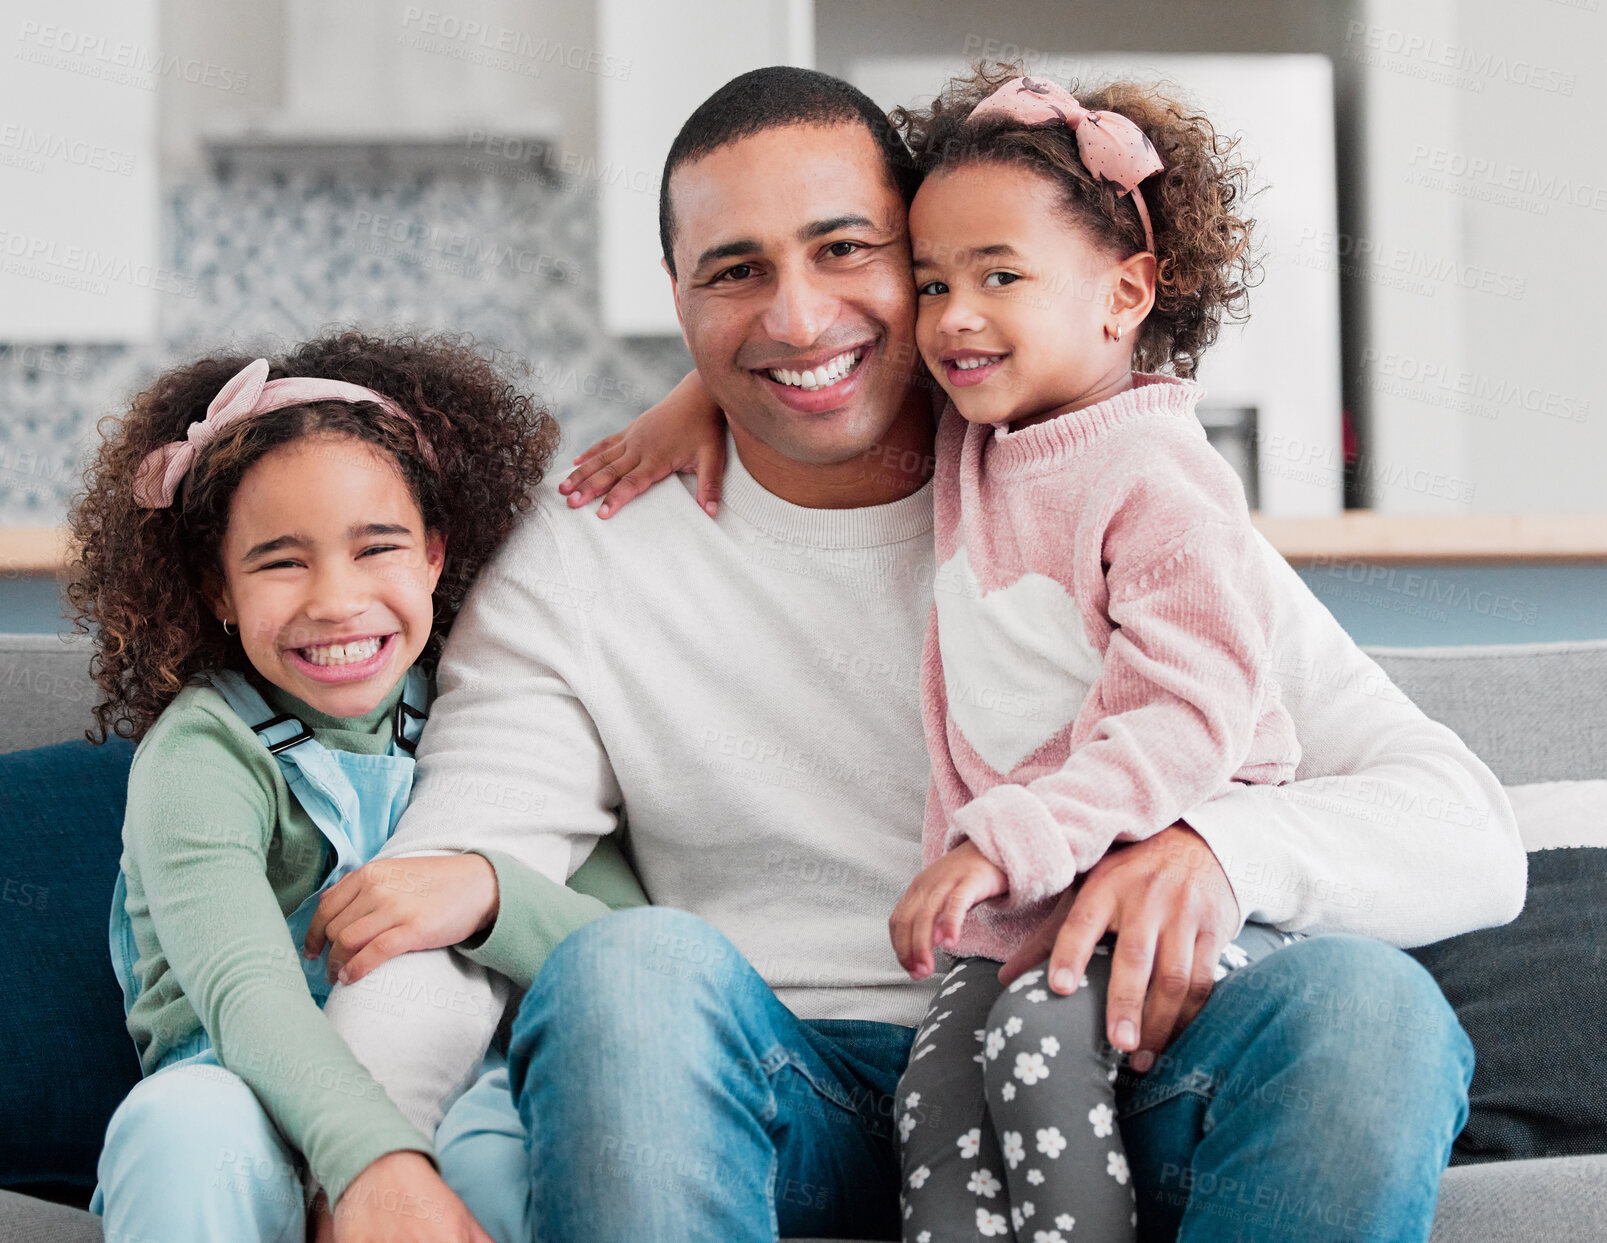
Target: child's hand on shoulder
[(396, 906), (934, 906), (684, 432)]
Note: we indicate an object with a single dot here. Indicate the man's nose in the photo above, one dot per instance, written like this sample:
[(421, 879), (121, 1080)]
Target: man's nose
[(799, 311)]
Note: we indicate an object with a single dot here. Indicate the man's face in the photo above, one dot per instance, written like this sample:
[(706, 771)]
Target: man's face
[(794, 289)]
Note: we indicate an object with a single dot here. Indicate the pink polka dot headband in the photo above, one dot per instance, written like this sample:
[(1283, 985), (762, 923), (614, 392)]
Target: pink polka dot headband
[(1110, 145), (164, 471)]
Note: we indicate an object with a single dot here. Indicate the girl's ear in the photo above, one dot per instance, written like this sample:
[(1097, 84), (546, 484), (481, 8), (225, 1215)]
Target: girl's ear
[(1132, 290), (434, 555), (215, 591)]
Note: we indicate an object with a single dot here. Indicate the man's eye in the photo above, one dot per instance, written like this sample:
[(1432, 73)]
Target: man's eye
[(996, 279), (740, 272), (379, 548), (932, 289), (841, 250)]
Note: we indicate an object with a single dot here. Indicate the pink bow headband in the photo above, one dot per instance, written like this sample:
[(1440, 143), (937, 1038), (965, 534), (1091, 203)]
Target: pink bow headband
[(250, 392), (1110, 145)]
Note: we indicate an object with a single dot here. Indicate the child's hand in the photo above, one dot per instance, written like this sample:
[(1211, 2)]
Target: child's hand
[(401, 1199), (396, 906), (934, 906), (685, 431)]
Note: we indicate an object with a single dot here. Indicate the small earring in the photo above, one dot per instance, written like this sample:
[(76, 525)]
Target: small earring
[(1118, 332), (226, 629)]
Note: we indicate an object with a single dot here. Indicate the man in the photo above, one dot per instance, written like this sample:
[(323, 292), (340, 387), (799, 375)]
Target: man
[(721, 1065)]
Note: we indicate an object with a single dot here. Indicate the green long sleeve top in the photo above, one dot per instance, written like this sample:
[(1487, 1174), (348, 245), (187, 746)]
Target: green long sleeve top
[(217, 853)]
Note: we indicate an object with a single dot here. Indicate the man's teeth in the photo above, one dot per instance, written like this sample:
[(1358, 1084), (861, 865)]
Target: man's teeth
[(971, 364), (341, 653), (829, 372)]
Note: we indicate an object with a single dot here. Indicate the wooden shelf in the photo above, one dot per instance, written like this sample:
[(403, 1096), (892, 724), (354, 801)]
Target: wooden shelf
[(1359, 535)]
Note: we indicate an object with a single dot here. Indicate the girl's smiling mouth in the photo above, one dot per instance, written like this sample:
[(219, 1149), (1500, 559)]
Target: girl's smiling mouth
[(350, 660), (964, 368)]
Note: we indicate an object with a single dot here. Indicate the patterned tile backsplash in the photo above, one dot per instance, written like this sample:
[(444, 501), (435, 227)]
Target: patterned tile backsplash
[(269, 256)]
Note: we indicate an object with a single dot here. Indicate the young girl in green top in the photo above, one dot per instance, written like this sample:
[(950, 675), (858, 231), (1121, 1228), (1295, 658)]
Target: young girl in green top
[(269, 555)]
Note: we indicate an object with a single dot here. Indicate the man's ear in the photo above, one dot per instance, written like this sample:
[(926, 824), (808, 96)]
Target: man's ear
[(675, 292), (1132, 290)]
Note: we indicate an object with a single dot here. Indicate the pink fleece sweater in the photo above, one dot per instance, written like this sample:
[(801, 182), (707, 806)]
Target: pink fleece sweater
[(1098, 658)]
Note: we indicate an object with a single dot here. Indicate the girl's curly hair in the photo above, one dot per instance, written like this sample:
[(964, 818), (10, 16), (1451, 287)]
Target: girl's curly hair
[(135, 575), (1204, 265)]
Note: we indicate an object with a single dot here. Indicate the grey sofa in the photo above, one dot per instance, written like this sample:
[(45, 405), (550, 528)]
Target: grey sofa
[(1533, 712)]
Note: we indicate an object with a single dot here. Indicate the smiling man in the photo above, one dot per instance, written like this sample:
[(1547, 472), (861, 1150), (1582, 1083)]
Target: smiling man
[(722, 1064)]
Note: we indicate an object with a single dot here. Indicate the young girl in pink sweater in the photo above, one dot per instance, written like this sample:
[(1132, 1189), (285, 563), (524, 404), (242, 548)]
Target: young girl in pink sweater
[(1099, 656)]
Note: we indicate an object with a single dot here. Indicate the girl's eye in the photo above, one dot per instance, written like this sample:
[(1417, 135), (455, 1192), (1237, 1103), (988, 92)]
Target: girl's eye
[(278, 565), (932, 288), (1004, 278), (379, 548), (841, 250)]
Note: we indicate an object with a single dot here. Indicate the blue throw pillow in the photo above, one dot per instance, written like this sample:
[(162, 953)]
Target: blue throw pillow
[(66, 1060)]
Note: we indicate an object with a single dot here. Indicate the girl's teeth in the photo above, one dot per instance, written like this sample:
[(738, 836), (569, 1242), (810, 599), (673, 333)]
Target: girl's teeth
[(826, 374), (971, 364), (341, 653)]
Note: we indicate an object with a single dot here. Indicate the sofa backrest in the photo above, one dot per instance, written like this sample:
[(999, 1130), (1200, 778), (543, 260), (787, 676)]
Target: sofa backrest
[(1531, 711)]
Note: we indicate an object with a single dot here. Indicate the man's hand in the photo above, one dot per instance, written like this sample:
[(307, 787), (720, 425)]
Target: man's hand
[(401, 1199), (934, 906), (1173, 911), (396, 906)]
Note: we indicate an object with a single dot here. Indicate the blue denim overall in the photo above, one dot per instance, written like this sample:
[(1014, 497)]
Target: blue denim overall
[(355, 800)]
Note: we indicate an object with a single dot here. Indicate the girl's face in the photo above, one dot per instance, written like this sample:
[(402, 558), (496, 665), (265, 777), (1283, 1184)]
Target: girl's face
[(329, 572), (1014, 300)]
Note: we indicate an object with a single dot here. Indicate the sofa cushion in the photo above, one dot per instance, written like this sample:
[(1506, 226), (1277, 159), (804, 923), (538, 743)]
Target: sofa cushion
[(65, 1057), (1531, 993)]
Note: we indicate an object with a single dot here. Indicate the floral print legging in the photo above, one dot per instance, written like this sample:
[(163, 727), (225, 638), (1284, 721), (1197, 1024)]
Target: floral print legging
[(1007, 1110)]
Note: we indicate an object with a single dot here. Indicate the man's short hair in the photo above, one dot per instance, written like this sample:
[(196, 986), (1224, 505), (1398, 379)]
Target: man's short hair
[(770, 98)]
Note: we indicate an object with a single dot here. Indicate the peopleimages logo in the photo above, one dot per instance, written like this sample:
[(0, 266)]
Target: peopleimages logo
[(118, 60)]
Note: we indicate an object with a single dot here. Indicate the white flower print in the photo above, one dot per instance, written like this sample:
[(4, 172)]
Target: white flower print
[(906, 1124), (923, 1051), (1103, 1117), (1028, 1208), (1016, 1219), (1012, 1147), (983, 1183), (1030, 1068), (1048, 1236), (1116, 1167), (981, 1034), (990, 1224), (1026, 981), (924, 1236), (1049, 1045), (909, 1211), (1012, 1025), (1037, 994), (919, 1177), (1065, 1221), (1035, 1177), (1110, 1075), (1219, 972), (952, 988), (1051, 1142), (970, 1143), (1008, 1092), (995, 1043), (912, 1100), (1234, 955)]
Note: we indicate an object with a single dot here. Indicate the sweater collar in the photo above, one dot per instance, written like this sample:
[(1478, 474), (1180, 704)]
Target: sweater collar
[(866, 527), (1056, 441)]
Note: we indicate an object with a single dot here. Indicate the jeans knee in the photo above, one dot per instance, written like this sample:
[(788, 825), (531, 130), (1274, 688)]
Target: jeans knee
[(1378, 1009)]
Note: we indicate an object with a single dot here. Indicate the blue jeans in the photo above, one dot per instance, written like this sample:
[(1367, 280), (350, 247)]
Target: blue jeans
[(663, 1092)]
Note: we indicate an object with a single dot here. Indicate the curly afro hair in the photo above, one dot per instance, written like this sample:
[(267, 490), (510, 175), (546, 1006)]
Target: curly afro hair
[(135, 575), (1204, 264)]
